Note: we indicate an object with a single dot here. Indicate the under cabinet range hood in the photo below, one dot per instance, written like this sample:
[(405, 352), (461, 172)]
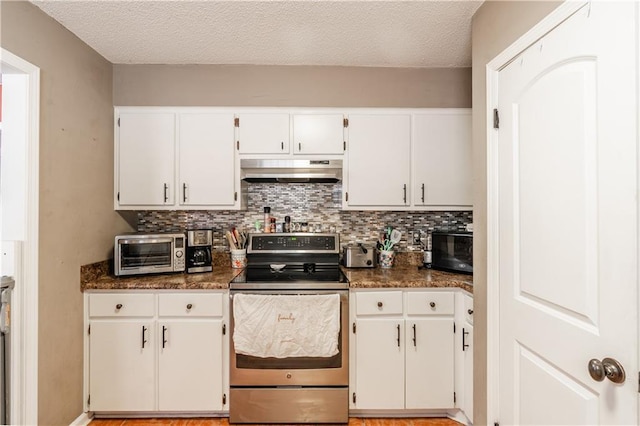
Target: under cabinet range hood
[(291, 171)]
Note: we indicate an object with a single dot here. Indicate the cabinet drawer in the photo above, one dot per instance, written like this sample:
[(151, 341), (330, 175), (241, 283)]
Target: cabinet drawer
[(468, 309), (190, 305), (430, 303), (121, 305), (379, 303)]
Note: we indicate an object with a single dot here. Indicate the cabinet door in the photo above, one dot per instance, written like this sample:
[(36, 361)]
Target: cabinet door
[(379, 160), (122, 366), (379, 364), (190, 365), (429, 363), (207, 159), (263, 133), (442, 159), (318, 134), (468, 371), (146, 158)]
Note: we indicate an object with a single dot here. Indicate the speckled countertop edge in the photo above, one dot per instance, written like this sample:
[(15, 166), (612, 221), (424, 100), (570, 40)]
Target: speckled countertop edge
[(96, 276)]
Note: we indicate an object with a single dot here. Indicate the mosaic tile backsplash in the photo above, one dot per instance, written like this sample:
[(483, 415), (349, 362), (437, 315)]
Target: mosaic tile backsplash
[(316, 204)]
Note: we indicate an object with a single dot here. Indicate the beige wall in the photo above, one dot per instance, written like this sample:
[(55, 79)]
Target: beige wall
[(77, 221), (496, 25), (252, 85)]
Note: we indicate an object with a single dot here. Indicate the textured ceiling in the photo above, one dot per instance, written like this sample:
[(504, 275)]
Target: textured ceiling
[(305, 32)]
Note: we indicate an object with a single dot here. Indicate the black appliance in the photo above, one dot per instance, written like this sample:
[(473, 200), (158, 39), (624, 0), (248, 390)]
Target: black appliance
[(199, 250), (452, 251)]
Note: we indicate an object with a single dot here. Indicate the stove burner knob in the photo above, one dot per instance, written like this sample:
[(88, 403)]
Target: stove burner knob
[(288, 375)]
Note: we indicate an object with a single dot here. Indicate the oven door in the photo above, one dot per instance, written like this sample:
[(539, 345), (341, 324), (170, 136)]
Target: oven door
[(295, 371)]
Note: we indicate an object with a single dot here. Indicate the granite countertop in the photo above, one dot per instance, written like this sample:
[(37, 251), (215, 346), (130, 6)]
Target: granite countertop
[(406, 274), (407, 277)]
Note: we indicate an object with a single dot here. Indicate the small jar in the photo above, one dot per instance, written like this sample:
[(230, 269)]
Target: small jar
[(304, 227), (273, 224), (287, 224)]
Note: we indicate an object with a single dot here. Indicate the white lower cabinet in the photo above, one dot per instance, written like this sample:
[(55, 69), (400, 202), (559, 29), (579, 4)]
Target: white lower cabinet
[(464, 354), (404, 350), (121, 370), (156, 351)]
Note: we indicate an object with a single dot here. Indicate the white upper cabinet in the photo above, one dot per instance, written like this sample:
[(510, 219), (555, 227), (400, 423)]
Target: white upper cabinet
[(169, 158), (206, 159), (318, 133), (263, 133), (378, 166), (442, 158), (145, 158)]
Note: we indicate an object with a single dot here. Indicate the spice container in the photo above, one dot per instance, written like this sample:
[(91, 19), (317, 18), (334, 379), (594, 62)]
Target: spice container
[(273, 224), (287, 224), (267, 219)]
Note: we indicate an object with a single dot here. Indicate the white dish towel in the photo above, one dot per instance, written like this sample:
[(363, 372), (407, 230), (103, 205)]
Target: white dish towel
[(283, 326)]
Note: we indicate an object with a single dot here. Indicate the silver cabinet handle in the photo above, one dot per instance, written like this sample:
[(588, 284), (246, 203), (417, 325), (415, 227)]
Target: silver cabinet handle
[(609, 368)]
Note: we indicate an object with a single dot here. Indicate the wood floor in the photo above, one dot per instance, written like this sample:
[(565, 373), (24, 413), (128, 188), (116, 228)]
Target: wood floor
[(354, 421)]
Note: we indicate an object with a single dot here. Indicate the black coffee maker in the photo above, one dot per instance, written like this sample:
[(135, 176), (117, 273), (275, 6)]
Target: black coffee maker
[(199, 250)]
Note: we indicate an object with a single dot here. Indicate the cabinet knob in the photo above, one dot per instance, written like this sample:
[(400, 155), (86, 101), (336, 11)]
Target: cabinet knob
[(470, 311), (189, 306), (432, 304), (119, 306), (379, 304)]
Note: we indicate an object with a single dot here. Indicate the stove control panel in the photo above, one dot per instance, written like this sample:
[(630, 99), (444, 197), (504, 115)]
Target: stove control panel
[(317, 243)]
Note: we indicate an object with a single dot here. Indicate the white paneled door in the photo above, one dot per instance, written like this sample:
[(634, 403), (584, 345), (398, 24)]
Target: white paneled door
[(567, 232)]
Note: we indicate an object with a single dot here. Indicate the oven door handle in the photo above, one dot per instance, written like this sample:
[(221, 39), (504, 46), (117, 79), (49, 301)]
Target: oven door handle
[(144, 241)]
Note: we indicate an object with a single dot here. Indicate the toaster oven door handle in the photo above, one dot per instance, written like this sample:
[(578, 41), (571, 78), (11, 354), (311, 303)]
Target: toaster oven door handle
[(145, 241)]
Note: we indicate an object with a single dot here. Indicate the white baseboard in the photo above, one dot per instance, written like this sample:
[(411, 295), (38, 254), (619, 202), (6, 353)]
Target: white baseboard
[(83, 419)]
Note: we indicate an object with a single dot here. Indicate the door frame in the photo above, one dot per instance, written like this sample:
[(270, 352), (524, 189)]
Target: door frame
[(493, 68), (24, 407)]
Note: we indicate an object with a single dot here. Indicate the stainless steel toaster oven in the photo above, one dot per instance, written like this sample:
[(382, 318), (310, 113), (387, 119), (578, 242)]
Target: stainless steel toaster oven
[(136, 254)]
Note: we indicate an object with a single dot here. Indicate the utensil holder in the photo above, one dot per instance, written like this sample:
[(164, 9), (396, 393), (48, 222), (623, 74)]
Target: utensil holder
[(238, 258), (385, 259)]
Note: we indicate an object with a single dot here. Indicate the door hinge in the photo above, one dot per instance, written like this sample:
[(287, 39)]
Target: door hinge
[(345, 122), (224, 329), (236, 122), (496, 119), (238, 145), (235, 196), (346, 196), (224, 399), (344, 145), (454, 398), (354, 328), (118, 121), (354, 398)]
